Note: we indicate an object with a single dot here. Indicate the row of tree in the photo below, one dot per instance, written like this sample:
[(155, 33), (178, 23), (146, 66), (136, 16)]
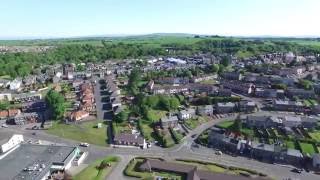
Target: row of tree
[(22, 64)]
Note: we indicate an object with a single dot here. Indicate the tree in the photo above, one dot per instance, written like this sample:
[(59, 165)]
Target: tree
[(237, 126), (121, 117), (134, 79), (56, 102), (306, 84), (164, 103), (4, 105), (215, 68), (221, 69), (225, 61), (174, 103)]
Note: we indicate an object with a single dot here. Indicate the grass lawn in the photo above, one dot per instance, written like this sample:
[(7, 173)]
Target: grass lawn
[(247, 131), (290, 144), (192, 123), (307, 103), (122, 127), (307, 148), (92, 172), (313, 102), (225, 124), (84, 132), (169, 140), (147, 130), (156, 115), (315, 135)]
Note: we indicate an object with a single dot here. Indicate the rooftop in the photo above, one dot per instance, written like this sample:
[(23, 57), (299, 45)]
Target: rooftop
[(27, 156)]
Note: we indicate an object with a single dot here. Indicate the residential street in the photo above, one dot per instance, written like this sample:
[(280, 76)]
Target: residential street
[(183, 150)]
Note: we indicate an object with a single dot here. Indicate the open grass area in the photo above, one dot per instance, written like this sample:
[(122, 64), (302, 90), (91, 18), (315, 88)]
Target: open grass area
[(92, 172), (225, 124), (84, 132), (307, 148)]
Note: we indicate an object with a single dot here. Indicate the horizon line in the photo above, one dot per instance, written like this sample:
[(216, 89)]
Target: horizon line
[(21, 38)]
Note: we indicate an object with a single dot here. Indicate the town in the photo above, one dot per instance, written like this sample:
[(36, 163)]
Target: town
[(264, 108)]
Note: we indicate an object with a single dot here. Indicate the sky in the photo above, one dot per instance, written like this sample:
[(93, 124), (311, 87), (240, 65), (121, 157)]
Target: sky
[(74, 18)]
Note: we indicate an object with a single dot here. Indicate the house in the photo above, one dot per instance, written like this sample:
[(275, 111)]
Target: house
[(173, 80), (78, 115), (8, 143), (291, 121), (269, 93), (170, 89), (5, 114), (307, 122), (15, 84), (316, 161), (232, 76), (197, 79), (29, 80), (263, 152), (223, 142), (190, 172), (292, 106), (300, 93), (238, 86), (187, 114), (316, 88), (4, 83), (226, 107), (224, 92), (247, 106), (130, 140), (261, 121), (34, 106), (24, 118), (205, 110), (26, 97), (5, 96), (169, 121)]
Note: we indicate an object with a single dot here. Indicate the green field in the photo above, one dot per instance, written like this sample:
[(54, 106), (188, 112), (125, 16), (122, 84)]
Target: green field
[(84, 132), (307, 148), (92, 172)]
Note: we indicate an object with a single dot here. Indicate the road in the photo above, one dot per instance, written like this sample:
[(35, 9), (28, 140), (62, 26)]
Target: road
[(184, 150)]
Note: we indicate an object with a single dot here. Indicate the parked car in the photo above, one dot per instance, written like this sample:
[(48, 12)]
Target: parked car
[(296, 170), (4, 126), (218, 153), (84, 144)]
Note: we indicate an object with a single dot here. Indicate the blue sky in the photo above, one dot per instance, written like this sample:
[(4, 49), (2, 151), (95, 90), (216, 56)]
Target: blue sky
[(70, 18)]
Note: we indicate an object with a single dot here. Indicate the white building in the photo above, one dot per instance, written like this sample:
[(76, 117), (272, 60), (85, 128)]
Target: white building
[(15, 84), (7, 144)]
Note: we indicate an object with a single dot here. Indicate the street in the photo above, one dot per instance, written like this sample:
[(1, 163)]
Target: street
[(183, 150)]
